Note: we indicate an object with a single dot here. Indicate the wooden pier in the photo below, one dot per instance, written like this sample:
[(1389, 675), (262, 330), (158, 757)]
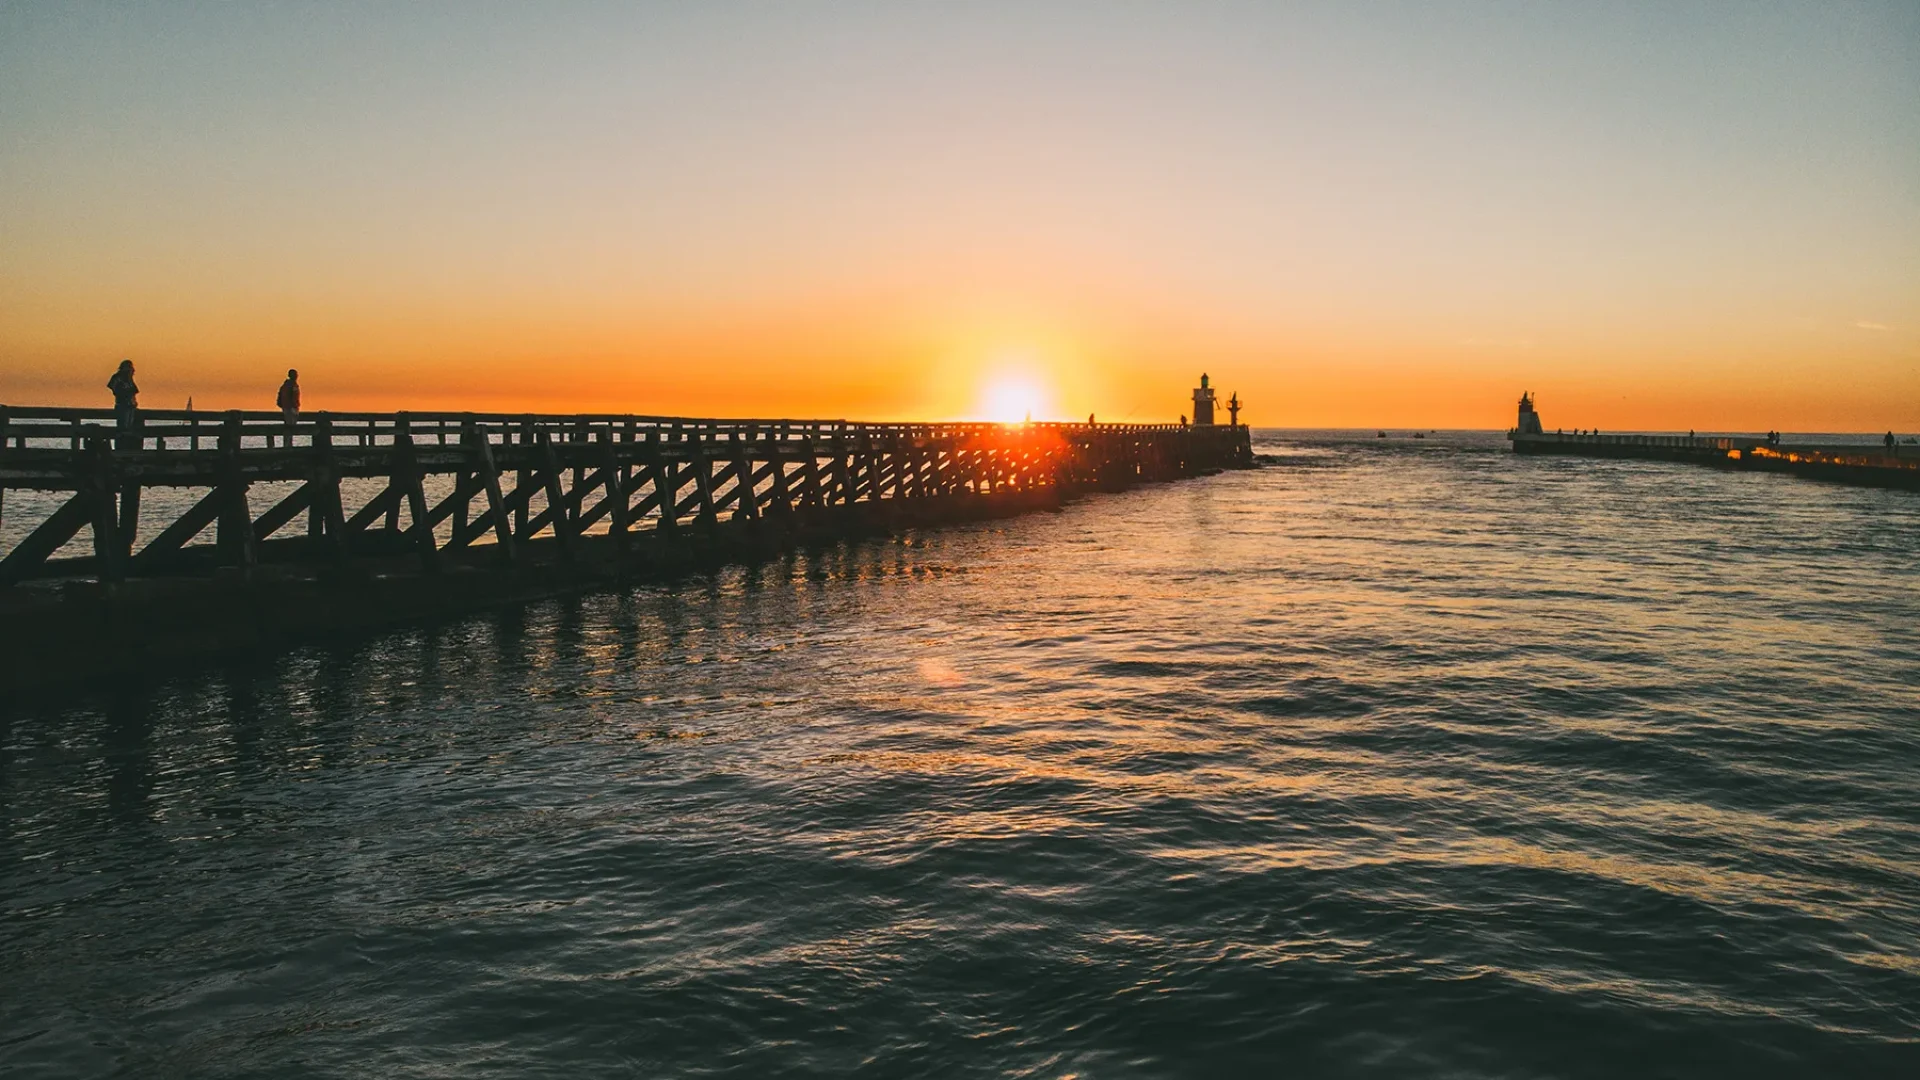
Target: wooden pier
[(1867, 465), (195, 532)]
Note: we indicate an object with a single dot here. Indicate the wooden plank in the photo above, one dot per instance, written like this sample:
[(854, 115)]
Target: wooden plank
[(378, 506), (489, 474), (129, 522), (511, 501), (842, 475), (412, 483), (331, 517), (579, 477), (661, 475), (727, 470), (39, 545), (107, 559), (811, 491), (184, 528), (603, 506), (703, 483), (871, 466), (912, 484), (283, 512), (523, 479), (690, 504), (779, 493), (616, 497), (455, 502), (465, 486), (556, 500), (566, 509), (316, 514), (234, 526), (748, 499)]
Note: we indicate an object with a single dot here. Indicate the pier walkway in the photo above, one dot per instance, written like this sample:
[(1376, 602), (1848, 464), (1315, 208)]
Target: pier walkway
[(234, 526), (1866, 465)]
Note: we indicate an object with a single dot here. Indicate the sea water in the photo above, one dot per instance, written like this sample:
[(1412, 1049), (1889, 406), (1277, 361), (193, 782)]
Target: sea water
[(1392, 757)]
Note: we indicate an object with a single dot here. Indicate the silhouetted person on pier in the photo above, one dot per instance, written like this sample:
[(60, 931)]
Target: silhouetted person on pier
[(1183, 419), (1893, 445), (289, 399), (125, 396), (1089, 419)]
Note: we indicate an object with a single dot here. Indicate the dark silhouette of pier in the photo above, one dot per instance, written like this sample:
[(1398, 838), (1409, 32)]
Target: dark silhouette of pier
[(1860, 464), (378, 517)]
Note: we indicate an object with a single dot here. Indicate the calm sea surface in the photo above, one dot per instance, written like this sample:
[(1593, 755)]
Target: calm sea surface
[(1392, 758)]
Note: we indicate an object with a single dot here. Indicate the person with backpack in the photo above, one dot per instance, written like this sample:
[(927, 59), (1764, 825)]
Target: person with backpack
[(289, 398)]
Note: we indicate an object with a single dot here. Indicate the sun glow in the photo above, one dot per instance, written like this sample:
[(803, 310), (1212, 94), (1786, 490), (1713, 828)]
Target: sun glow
[(1010, 399)]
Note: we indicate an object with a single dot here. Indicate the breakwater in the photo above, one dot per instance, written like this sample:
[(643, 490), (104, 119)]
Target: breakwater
[(210, 532), (1847, 464)]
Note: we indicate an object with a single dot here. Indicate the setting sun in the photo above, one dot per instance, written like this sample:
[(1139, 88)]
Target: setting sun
[(1012, 398)]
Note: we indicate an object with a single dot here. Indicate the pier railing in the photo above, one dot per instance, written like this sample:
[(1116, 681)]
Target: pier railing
[(436, 485), (1703, 443), (1866, 465)]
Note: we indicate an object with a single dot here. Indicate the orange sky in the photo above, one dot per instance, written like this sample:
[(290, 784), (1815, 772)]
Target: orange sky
[(1391, 217)]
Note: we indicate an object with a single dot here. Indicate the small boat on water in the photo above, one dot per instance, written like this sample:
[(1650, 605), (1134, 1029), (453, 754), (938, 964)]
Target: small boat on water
[(1382, 435), (1419, 434)]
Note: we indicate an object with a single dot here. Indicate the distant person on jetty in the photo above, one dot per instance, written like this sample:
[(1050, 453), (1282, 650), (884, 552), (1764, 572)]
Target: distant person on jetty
[(289, 399), (125, 396), (1893, 445)]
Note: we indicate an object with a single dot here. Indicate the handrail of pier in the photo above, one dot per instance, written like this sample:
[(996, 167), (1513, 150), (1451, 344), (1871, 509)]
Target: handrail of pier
[(21, 427), (443, 484)]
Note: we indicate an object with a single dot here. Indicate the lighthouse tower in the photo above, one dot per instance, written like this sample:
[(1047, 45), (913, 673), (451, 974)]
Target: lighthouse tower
[(1529, 420), (1203, 404)]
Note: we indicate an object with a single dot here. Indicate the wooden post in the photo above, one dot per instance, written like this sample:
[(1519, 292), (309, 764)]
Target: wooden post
[(3, 453), (579, 439), (408, 477), (703, 482), (747, 507), (781, 501), (109, 550), (482, 449), (666, 486), (810, 493), (556, 501), (234, 538), (616, 491), (842, 471), (326, 518), (523, 477), (466, 482), (393, 477)]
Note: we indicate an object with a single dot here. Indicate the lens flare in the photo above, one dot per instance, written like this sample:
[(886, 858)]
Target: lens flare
[(1010, 399)]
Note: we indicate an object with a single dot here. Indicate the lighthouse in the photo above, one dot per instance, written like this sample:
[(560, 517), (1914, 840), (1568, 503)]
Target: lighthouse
[(1529, 423), (1203, 404)]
